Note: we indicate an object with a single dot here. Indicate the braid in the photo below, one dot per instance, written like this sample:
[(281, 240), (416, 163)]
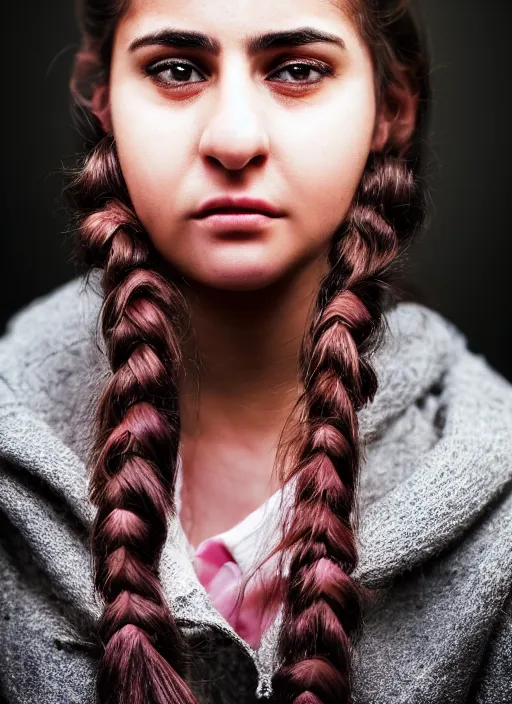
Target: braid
[(133, 461), (134, 458), (322, 604)]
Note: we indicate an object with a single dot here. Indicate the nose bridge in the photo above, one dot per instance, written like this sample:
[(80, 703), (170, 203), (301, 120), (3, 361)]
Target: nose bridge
[(233, 124), (236, 94)]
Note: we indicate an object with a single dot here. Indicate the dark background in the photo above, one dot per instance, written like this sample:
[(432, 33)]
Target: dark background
[(461, 265)]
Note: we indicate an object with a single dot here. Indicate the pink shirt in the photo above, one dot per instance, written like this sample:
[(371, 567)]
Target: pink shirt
[(222, 560)]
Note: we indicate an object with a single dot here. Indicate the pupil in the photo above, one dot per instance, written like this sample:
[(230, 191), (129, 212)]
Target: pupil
[(181, 70), (300, 70)]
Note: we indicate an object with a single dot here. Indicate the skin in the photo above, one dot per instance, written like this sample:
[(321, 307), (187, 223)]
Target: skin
[(243, 125)]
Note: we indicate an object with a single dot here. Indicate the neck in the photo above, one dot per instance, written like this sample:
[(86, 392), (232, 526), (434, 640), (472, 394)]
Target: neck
[(240, 370), (238, 387)]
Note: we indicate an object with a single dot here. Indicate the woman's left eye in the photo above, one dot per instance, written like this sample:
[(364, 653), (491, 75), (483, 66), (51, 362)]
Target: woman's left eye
[(322, 69), (158, 69)]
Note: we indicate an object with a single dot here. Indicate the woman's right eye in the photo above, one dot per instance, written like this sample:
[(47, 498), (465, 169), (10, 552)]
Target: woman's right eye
[(156, 70)]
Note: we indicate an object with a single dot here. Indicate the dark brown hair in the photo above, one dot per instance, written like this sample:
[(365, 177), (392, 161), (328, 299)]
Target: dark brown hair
[(144, 320)]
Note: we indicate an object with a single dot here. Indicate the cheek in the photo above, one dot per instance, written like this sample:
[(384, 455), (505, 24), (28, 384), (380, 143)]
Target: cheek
[(154, 156), (330, 158)]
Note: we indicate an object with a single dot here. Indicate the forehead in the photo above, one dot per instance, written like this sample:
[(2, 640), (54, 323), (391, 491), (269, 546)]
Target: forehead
[(232, 22)]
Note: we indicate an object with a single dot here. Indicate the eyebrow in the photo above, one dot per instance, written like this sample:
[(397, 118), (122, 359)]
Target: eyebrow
[(182, 39)]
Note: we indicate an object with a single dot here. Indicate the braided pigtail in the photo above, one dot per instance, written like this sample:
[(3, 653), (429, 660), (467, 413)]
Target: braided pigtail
[(322, 604), (134, 459), (137, 436)]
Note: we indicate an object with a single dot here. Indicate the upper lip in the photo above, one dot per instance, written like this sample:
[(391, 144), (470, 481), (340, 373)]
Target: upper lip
[(237, 203)]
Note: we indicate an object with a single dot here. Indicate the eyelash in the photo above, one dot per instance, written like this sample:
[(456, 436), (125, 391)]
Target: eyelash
[(153, 69)]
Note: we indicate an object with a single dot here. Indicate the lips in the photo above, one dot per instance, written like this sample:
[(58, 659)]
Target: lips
[(236, 205), (232, 211), (234, 224)]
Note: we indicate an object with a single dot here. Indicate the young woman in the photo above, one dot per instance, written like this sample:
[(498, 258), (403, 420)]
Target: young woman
[(294, 484)]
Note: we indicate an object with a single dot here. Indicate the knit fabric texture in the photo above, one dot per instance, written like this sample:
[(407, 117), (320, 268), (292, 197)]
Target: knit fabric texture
[(435, 536)]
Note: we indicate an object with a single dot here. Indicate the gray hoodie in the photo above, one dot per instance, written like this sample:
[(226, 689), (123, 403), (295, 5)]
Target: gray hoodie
[(435, 536)]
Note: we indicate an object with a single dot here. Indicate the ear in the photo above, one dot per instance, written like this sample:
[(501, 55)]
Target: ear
[(101, 106), (396, 117)]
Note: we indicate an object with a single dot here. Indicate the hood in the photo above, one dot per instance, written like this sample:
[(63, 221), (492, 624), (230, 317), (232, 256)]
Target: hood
[(437, 439)]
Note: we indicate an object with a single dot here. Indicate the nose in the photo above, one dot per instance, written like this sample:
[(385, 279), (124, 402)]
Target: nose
[(234, 132)]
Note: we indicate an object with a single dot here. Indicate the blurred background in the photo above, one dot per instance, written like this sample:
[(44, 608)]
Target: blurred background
[(461, 267)]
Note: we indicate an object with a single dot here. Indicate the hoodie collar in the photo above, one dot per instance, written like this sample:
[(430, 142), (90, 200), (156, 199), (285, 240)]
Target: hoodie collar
[(426, 357), (441, 497)]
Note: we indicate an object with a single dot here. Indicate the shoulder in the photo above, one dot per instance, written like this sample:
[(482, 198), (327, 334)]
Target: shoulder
[(50, 323), (47, 339), (471, 403), (425, 363), (415, 325), (52, 367), (431, 339)]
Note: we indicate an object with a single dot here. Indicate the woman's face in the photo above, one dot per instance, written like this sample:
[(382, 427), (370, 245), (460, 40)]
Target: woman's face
[(241, 121)]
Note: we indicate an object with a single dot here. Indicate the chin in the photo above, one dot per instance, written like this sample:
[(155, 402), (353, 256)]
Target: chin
[(239, 281), (236, 276)]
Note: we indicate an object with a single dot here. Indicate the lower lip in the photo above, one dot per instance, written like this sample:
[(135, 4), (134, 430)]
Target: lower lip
[(232, 222)]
